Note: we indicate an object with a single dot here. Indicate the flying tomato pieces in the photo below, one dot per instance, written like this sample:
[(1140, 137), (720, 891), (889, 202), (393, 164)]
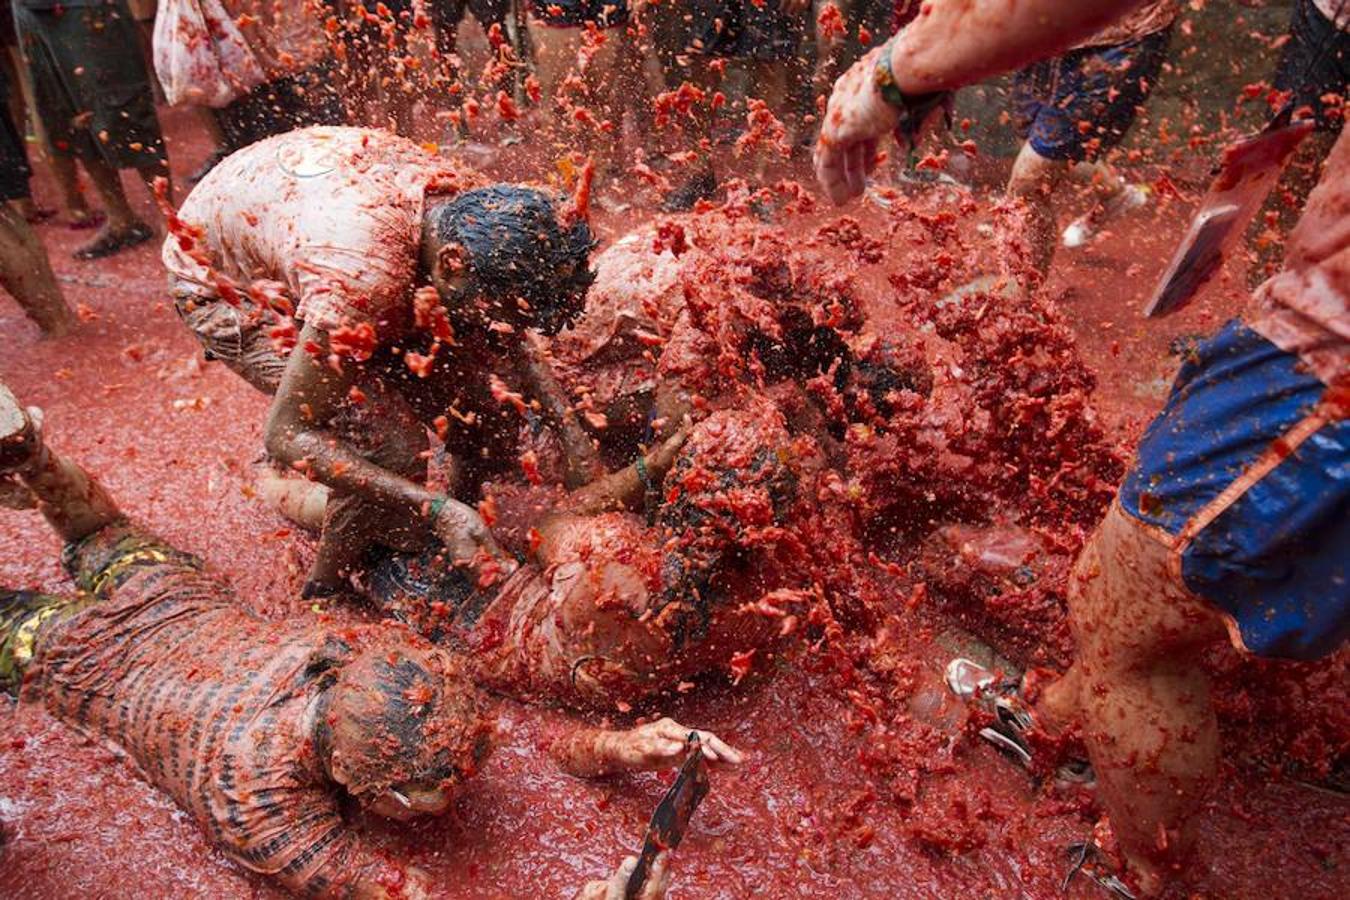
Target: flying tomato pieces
[(506, 107), (529, 465), (740, 665), (419, 364), (356, 342), (487, 509), (505, 396), (830, 23)]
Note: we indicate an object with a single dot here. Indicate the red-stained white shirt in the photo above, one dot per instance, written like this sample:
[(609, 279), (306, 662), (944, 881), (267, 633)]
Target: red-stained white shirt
[(1305, 309), (334, 215)]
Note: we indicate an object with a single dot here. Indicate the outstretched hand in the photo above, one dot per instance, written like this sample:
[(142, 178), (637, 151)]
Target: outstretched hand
[(465, 535), (856, 120), (662, 743), (659, 459), (616, 886)]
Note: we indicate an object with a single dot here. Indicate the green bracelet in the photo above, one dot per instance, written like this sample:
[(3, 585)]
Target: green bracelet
[(914, 109), (643, 475), (884, 78), (435, 506)]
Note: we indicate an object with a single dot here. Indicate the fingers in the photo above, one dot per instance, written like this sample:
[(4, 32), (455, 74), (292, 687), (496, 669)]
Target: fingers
[(665, 454), (855, 170), (667, 742), (595, 890), (664, 749), (830, 173), (869, 158), (717, 750), (618, 882), (658, 878), (714, 748)]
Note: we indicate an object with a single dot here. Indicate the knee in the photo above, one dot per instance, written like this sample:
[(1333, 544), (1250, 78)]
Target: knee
[(1127, 604), (1033, 176)]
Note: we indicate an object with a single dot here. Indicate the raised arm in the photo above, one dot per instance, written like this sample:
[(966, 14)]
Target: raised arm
[(582, 460), (311, 393), (952, 43), (627, 488)]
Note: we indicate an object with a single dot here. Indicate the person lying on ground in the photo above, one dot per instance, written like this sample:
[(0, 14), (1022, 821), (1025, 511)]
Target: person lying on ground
[(255, 728), (1234, 516), (693, 558), (688, 312), (338, 227)]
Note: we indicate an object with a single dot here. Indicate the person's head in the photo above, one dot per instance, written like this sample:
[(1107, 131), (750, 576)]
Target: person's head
[(403, 728), (727, 495), (510, 254), (876, 379)]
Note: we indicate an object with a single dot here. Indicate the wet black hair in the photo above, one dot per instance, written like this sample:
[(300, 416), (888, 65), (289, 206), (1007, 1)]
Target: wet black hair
[(516, 246), (708, 539), (399, 711)]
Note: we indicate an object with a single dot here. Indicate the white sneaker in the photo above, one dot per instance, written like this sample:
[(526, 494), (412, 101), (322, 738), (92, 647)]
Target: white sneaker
[(1083, 229), (1079, 232)]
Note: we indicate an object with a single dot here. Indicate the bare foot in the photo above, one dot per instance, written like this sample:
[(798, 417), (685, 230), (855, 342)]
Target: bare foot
[(19, 437)]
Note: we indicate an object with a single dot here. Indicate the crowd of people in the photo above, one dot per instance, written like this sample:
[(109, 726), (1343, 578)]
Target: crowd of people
[(684, 432)]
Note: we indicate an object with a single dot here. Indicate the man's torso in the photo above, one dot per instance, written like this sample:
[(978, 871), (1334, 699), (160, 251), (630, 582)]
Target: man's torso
[(209, 701), (1305, 309)]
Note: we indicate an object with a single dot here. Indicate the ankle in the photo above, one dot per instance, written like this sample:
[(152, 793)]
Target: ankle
[(22, 451), (1053, 700)]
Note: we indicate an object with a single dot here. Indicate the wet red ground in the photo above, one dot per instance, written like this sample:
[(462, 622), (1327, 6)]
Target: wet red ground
[(811, 813)]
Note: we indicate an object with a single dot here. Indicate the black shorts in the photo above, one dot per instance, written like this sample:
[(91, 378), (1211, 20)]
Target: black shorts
[(14, 169), (281, 105), (90, 84), (449, 13), (1315, 62), (576, 13), (742, 29)]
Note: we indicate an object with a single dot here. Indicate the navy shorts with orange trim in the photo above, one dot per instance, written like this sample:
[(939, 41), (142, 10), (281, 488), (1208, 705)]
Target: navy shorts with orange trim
[(1250, 474), (1076, 105)]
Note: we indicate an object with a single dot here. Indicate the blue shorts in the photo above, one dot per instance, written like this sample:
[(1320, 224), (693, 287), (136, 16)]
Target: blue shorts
[(1249, 477), (1102, 86)]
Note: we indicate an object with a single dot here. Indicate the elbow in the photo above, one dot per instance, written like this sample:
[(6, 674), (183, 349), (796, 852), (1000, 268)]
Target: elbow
[(279, 441)]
